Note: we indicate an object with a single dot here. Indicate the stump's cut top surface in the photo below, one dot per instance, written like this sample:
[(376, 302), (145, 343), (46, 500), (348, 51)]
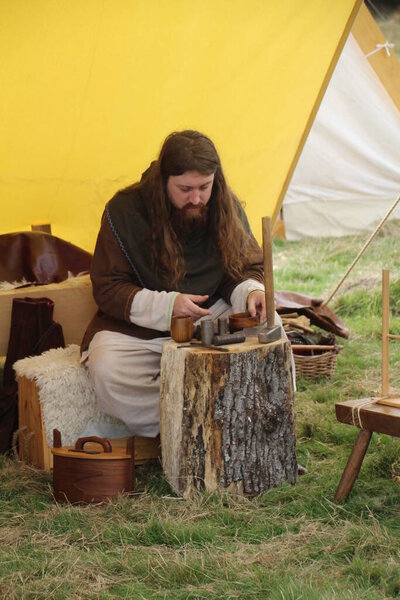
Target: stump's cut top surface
[(251, 342)]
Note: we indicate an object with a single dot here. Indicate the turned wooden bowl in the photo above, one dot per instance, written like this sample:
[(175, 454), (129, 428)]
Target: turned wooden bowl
[(182, 329), (242, 320)]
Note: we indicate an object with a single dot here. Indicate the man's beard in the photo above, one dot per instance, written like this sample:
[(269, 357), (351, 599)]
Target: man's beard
[(185, 221)]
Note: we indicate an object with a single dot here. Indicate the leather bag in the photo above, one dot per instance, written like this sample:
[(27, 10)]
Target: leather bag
[(32, 332), (322, 316)]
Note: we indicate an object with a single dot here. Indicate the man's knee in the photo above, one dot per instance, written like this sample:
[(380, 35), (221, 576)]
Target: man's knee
[(101, 363)]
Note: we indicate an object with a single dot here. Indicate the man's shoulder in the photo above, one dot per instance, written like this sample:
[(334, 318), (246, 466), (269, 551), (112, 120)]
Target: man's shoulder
[(129, 192), (139, 189), (127, 199), (128, 208)]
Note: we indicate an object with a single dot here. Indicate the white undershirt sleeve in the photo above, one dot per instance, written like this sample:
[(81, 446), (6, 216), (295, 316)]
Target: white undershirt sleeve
[(153, 309), (240, 293)]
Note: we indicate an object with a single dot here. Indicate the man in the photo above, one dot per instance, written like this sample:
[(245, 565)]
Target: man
[(176, 243)]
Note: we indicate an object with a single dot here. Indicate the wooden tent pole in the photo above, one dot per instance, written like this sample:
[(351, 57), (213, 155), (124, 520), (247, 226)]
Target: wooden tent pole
[(367, 243), (385, 332)]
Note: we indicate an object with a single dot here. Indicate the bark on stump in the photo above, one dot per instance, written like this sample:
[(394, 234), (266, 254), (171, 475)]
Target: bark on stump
[(227, 419)]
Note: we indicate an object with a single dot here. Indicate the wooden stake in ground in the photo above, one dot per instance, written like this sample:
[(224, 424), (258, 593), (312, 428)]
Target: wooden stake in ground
[(385, 332), (386, 336)]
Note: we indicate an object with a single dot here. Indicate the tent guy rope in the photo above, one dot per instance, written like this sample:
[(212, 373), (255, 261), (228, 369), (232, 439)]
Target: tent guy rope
[(367, 243)]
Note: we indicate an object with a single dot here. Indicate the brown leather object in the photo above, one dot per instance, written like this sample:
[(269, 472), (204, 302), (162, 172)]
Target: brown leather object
[(40, 257), (32, 331), (322, 316)]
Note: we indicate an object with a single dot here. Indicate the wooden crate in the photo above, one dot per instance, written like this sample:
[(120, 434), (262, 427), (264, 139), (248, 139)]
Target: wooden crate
[(33, 447)]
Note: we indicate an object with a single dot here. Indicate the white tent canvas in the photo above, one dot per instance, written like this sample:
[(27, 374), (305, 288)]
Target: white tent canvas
[(348, 174)]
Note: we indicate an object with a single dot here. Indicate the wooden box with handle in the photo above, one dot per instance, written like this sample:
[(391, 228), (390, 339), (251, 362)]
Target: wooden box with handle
[(92, 470)]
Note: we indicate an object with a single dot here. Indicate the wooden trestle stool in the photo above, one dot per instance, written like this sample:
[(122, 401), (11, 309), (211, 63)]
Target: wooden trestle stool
[(380, 414)]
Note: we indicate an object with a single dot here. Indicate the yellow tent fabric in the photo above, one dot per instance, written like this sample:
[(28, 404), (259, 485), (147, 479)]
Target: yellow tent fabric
[(90, 88)]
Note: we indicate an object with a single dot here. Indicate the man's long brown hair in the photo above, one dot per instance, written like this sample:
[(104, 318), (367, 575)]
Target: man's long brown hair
[(192, 151)]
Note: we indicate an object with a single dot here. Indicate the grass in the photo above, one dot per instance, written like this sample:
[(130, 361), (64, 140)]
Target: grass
[(291, 542)]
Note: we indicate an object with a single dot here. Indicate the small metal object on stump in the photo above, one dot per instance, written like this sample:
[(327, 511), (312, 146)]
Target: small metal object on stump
[(207, 331), (229, 338)]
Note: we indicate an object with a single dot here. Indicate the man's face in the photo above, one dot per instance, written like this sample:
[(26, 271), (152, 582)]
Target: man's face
[(190, 192)]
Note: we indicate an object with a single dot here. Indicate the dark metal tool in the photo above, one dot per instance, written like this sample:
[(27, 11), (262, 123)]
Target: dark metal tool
[(223, 337), (207, 331), (223, 326), (229, 338)]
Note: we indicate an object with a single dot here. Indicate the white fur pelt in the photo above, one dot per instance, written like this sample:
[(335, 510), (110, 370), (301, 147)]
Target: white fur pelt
[(11, 285), (66, 392)]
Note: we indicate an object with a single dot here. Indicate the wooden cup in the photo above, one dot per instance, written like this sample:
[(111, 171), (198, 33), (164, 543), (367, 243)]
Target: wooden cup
[(182, 329)]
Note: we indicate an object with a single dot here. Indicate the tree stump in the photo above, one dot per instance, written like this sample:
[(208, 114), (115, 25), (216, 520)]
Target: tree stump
[(227, 419)]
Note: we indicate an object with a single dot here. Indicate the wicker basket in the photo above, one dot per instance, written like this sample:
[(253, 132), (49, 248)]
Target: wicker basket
[(319, 365)]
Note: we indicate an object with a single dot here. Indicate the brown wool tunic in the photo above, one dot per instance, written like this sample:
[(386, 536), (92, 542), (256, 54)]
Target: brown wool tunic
[(121, 266)]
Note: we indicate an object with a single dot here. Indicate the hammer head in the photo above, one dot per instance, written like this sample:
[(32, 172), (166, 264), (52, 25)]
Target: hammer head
[(270, 334)]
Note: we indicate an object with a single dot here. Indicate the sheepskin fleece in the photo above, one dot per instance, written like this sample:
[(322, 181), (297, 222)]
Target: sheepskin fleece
[(5, 286), (66, 392), (71, 281)]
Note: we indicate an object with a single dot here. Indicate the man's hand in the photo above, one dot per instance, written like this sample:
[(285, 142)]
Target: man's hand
[(256, 304), (185, 305)]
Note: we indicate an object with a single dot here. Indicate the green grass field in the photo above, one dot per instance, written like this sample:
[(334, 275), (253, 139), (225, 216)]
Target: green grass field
[(291, 542)]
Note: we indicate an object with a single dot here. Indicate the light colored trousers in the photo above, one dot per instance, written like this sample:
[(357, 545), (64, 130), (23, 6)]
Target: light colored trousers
[(126, 374)]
